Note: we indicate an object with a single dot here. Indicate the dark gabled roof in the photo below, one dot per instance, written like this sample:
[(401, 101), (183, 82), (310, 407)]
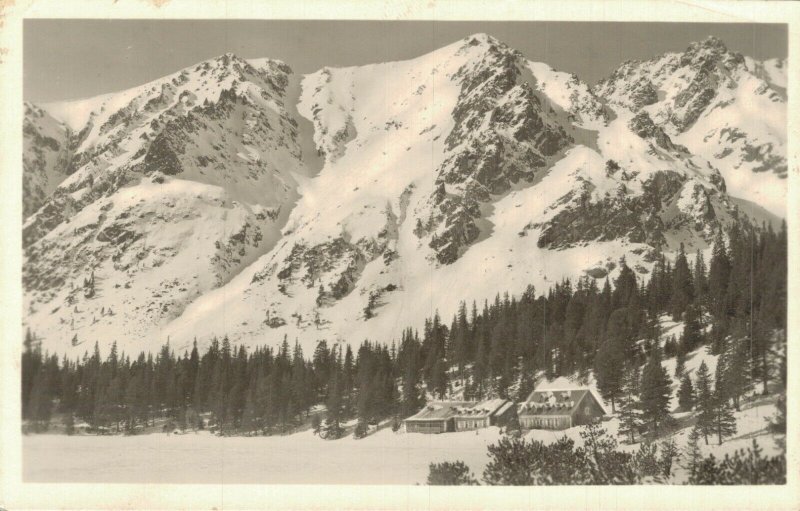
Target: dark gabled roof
[(439, 410), (481, 410), (443, 410), (554, 402)]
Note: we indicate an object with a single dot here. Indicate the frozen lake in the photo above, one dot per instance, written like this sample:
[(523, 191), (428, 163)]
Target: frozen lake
[(382, 458), (304, 458)]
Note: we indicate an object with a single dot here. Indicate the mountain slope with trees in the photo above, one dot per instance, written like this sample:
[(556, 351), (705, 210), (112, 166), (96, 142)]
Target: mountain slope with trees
[(495, 350)]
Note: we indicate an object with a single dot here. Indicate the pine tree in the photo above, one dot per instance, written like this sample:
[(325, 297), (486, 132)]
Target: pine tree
[(630, 415), (718, 276), (480, 370), (409, 360), (334, 402), (686, 393), (699, 278), (669, 453), (682, 286), (680, 363), (608, 369), (692, 452), (626, 289), (704, 401), (618, 349), (439, 381), (724, 421), (737, 373), (655, 393), (692, 336)]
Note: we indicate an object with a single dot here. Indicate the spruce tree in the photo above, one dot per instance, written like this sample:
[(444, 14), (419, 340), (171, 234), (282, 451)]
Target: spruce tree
[(724, 421), (630, 415), (682, 286), (608, 369), (626, 289), (737, 377), (655, 391), (686, 393), (704, 396), (720, 386), (409, 360), (680, 363), (691, 336), (692, 453), (718, 276), (439, 382), (699, 278), (334, 402)]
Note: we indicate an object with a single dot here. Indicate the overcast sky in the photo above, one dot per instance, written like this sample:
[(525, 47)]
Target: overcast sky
[(69, 59)]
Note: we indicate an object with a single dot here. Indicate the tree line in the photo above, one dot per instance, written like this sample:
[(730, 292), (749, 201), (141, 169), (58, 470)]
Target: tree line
[(736, 304)]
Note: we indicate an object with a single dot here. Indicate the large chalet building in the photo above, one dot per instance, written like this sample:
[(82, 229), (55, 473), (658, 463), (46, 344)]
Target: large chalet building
[(559, 409)]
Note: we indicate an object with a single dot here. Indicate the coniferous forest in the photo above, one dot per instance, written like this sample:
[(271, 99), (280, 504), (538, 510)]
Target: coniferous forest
[(735, 303)]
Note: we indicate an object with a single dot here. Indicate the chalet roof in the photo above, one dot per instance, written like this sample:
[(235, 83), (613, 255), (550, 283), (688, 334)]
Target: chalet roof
[(554, 401), (443, 410), (439, 410), (481, 409)]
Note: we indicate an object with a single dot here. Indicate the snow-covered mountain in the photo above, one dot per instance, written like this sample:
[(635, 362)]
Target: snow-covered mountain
[(172, 189), (721, 105), (238, 198)]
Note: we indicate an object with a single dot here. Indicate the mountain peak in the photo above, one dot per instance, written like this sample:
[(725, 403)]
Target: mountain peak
[(484, 39), (481, 37), (710, 43), (227, 59)]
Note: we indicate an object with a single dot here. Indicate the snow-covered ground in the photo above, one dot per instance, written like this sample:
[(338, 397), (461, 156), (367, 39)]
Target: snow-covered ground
[(304, 458), (382, 458)]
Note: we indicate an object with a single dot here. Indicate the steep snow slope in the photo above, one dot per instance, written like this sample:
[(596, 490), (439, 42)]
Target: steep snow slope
[(727, 108), (175, 186), (457, 175)]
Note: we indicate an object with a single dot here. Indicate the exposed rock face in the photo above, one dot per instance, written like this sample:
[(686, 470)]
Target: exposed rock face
[(503, 134), (720, 105), (670, 202), (643, 125), (45, 158)]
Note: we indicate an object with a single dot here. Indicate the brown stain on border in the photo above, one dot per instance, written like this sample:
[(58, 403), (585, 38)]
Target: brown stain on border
[(155, 3), (4, 5)]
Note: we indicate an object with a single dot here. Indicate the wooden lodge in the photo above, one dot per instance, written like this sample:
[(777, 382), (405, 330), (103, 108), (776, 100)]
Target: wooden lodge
[(493, 412), (559, 409), (448, 416)]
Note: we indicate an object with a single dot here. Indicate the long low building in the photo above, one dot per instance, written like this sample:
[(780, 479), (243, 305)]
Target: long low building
[(447, 416), (493, 412), (559, 409)]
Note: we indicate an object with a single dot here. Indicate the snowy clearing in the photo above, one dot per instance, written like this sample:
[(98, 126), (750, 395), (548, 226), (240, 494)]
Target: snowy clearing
[(382, 458), (304, 458)]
